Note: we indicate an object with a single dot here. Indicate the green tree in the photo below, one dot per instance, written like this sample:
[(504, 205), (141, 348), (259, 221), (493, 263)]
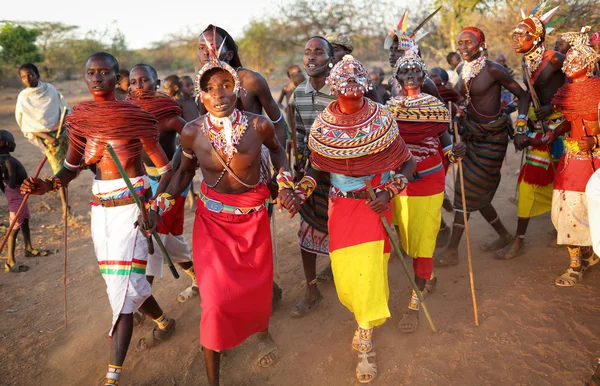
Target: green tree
[(17, 45)]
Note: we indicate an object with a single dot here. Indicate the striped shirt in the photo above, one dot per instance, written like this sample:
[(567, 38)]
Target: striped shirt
[(309, 104)]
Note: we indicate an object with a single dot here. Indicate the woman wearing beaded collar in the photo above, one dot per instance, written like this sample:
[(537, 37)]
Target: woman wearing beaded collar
[(355, 139), (422, 121)]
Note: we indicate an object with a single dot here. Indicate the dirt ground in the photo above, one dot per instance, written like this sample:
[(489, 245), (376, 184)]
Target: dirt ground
[(531, 332)]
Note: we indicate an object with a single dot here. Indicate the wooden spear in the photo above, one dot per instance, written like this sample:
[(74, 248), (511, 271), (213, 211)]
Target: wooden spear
[(465, 219), (396, 247)]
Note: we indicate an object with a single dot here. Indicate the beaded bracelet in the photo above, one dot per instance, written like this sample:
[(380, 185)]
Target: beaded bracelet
[(56, 183), (305, 187), (285, 181), (396, 185), (162, 204)]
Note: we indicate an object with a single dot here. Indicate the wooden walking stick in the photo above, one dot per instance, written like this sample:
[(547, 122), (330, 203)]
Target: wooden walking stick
[(36, 175), (143, 210), (515, 199), (396, 247), (465, 219), (65, 237)]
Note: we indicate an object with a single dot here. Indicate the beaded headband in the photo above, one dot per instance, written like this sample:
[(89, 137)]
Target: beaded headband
[(581, 55), (214, 62), (344, 70), (412, 59)]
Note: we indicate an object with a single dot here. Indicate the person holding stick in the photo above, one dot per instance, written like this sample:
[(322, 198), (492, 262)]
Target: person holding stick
[(143, 92), (12, 175), (38, 114), (120, 248), (355, 139), (232, 248), (423, 123), (578, 100), (484, 132), (543, 69)]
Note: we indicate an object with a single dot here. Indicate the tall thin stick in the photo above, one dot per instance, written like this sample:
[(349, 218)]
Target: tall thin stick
[(66, 238), (468, 238), (396, 247)]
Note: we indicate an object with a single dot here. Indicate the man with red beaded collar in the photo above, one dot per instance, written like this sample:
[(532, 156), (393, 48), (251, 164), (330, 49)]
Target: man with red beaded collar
[(578, 100), (484, 130), (120, 248), (232, 249), (143, 85), (356, 140), (537, 174)]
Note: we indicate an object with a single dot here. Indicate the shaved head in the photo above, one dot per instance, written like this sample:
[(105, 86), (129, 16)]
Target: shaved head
[(106, 56)]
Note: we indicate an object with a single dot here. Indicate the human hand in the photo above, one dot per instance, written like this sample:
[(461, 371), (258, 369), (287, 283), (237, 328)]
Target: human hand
[(586, 143), (543, 111), (148, 228), (380, 203), (459, 150), (521, 141), (34, 186), (289, 200)]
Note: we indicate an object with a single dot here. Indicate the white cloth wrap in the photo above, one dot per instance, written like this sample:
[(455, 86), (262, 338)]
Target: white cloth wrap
[(178, 251), (570, 218), (116, 240), (592, 193), (38, 110)]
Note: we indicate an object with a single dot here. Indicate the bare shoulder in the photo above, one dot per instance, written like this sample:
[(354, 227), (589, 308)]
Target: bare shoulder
[(557, 60), (252, 80), (259, 123), (192, 129)]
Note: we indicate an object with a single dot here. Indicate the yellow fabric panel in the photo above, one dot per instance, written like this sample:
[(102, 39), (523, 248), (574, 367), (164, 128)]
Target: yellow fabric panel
[(361, 281), (418, 219), (534, 200)]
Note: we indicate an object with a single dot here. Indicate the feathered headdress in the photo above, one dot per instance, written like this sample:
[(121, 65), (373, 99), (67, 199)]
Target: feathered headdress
[(215, 62), (539, 22), (407, 39)]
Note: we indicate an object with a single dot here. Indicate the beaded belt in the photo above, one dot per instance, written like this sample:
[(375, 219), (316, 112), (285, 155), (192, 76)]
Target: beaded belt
[(434, 169), (219, 207), (355, 194)]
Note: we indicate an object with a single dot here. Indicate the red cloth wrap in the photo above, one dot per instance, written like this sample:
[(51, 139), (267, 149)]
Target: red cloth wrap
[(390, 159), (172, 221), (448, 95), (575, 175), (233, 261), (578, 99), (423, 267), (413, 132), (430, 184), (158, 104)]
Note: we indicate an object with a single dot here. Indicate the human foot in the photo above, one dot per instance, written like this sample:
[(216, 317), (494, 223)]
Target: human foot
[(15, 268), (516, 249), (430, 286), (36, 252), (157, 335), (409, 322), (443, 237), (499, 243), (366, 370), (569, 278), (307, 304), (267, 351), (326, 274), (188, 293), (446, 258)]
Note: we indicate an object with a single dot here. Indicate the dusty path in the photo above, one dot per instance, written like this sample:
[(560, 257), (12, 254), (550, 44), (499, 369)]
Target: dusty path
[(531, 332)]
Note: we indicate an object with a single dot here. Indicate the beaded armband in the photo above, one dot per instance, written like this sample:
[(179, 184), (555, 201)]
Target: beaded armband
[(56, 183), (449, 154), (162, 204), (521, 124), (396, 185), (305, 187), (285, 181), (164, 169)]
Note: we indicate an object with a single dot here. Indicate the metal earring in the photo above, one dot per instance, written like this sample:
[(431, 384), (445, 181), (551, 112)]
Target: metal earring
[(480, 48), (330, 65)]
